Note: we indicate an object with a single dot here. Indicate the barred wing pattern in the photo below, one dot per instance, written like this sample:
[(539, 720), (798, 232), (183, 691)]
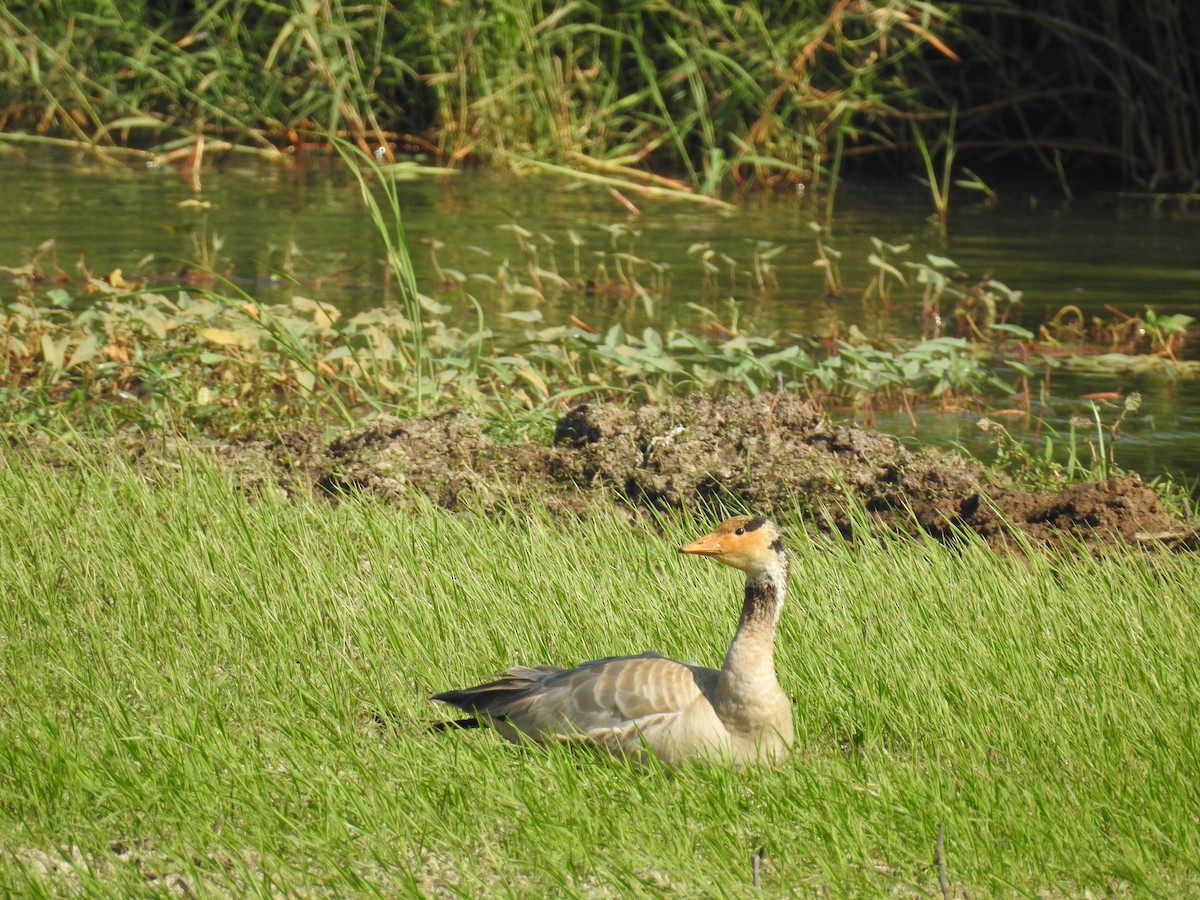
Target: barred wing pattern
[(628, 704)]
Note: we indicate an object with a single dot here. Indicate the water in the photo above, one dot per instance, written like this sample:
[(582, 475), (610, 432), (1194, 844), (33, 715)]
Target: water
[(1096, 253)]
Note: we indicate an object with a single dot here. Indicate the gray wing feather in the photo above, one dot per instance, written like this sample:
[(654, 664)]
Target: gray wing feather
[(625, 703)]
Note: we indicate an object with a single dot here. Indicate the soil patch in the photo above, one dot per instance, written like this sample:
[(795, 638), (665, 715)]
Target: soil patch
[(769, 454)]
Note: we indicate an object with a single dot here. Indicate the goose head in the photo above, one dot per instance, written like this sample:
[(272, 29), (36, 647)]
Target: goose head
[(750, 543)]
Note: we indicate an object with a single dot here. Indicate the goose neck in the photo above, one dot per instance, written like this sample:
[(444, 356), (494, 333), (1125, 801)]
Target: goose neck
[(751, 654)]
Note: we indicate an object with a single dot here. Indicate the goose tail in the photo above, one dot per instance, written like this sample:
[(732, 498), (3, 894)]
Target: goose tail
[(490, 698)]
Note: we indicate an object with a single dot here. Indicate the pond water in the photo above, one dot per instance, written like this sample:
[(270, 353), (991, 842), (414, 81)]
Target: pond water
[(1096, 253)]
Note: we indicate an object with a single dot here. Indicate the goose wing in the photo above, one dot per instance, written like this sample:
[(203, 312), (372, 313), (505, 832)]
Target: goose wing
[(628, 704)]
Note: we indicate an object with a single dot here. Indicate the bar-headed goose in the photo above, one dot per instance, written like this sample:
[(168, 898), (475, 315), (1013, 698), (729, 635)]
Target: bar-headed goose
[(633, 705)]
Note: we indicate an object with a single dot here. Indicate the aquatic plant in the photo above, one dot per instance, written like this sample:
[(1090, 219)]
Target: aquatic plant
[(1046, 469), (231, 363), (211, 354), (728, 94), (217, 356), (938, 182), (1160, 334), (389, 225)]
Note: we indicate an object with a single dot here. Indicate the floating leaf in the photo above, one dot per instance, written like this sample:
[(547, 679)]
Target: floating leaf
[(323, 314), (524, 315), (431, 305), (60, 298)]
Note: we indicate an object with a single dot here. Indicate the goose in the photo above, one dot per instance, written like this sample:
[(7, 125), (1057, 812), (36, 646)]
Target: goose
[(649, 705)]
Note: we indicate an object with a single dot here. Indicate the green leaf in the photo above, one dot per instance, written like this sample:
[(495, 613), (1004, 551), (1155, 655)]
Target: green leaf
[(879, 263), (226, 338), (529, 316), (432, 306), (54, 352), (1016, 331), (85, 352), (306, 379)]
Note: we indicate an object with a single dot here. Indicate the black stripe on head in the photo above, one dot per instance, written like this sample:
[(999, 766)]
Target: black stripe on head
[(754, 524)]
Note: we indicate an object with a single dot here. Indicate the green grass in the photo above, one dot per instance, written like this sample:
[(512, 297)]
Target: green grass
[(189, 680)]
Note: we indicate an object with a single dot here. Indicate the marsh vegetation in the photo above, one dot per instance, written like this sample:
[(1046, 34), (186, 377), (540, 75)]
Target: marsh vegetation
[(719, 93)]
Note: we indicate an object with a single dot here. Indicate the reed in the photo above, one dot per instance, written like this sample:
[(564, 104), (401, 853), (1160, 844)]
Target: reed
[(722, 94), (1114, 88)]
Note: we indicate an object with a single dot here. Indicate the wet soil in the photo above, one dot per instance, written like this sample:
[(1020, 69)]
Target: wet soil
[(768, 454)]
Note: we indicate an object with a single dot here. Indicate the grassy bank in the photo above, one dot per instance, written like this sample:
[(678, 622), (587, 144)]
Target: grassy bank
[(723, 94), (198, 687)]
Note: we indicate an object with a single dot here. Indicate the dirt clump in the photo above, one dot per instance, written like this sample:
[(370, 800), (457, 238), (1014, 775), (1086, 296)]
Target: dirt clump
[(770, 453), (1119, 508), (774, 451)]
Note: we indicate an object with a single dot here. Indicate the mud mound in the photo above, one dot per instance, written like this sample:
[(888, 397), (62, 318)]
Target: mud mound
[(447, 458), (1121, 507), (773, 452), (777, 452)]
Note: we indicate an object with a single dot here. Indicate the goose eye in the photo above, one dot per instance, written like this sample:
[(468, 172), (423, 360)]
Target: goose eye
[(740, 531)]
